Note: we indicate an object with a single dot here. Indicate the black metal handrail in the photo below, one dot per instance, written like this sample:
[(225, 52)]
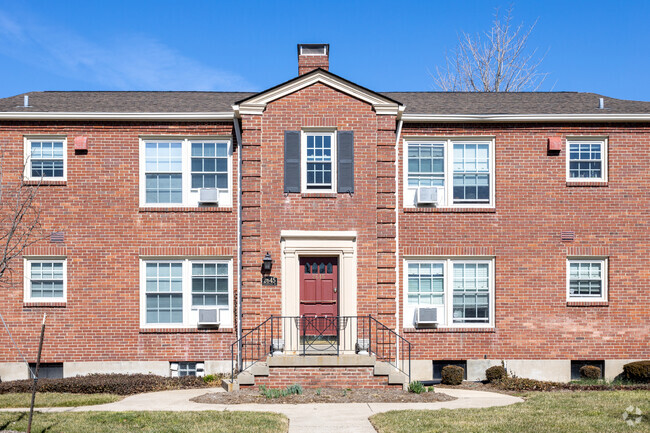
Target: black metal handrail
[(321, 335)]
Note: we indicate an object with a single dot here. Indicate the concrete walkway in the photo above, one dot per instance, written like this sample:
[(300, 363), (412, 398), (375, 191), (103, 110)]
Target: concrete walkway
[(314, 417)]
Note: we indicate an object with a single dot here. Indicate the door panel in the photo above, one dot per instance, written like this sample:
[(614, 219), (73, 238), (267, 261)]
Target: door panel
[(319, 293)]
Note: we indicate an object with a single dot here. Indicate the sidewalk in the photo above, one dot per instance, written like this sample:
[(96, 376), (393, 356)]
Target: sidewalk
[(314, 417)]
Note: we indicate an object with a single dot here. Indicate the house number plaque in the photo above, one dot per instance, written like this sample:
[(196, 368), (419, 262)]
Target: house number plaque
[(269, 281)]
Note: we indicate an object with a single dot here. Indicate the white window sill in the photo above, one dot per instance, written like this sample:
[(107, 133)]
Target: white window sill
[(181, 208), (451, 209)]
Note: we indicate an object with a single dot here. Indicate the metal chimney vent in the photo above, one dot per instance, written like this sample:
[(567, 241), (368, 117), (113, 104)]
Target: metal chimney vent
[(313, 49)]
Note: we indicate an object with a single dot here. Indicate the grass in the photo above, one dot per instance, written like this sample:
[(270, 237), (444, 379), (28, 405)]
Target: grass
[(147, 422), (561, 412), (55, 399)]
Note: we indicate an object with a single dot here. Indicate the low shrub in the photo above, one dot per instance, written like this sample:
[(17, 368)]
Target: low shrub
[(417, 387), (213, 379), (430, 389), (121, 384), (638, 372), (277, 393), (522, 384), (590, 372), (452, 375), (294, 389), (495, 373)]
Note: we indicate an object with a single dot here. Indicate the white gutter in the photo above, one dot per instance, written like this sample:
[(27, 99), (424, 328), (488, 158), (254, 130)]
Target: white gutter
[(34, 115), (239, 238), (526, 118)]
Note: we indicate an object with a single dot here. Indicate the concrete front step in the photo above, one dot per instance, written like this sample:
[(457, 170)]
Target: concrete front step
[(262, 369)]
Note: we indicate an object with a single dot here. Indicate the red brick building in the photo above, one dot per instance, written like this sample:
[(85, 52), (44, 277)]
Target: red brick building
[(321, 232)]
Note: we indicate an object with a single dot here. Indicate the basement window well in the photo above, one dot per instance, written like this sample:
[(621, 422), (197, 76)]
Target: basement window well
[(439, 365), (577, 365), (48, 370)]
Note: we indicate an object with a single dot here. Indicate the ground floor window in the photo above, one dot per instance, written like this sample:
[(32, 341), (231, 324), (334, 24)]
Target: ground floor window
[(461, 290), (186, 368), (45, 279), (173, 291), (587, 279)]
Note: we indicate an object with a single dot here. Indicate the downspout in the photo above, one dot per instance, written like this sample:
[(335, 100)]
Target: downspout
[(400, 122), (239, 238)]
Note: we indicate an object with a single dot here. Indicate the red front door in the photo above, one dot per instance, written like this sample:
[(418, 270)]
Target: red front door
[(319, 294)]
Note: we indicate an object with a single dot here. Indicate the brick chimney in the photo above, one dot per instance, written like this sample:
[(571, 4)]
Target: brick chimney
[(313, 56)]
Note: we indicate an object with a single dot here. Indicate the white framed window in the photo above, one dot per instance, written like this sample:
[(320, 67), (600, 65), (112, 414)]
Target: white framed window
[(586, 159), (318, 160), (462, 289), (461, 169), (586, 279), (46, 158), (45, 279), (174, 170), (173, 290)]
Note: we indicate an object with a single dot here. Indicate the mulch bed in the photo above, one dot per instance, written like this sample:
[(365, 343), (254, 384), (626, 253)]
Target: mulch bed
[(324, 395)]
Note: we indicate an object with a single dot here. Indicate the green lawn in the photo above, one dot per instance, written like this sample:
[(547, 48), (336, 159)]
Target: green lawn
[(557, 412), (56, 399), (147, 422)]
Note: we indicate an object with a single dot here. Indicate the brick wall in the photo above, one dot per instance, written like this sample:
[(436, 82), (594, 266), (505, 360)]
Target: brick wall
[(268, 210), (105, 233), (534, 205)]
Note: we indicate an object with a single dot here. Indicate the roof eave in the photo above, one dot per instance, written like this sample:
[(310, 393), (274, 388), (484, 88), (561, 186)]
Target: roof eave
[(60, 115), (495, 118)]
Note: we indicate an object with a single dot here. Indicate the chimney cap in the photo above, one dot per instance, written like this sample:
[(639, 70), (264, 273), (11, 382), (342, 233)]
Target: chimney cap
[(313, 49)]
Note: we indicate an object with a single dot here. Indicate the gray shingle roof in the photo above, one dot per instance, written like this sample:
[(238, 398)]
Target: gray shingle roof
[(416, 102), (514, 103), (124, 102)]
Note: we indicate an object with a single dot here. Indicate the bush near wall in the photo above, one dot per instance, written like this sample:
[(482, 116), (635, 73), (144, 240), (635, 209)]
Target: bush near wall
[(637, 371), (452, 375), (590, 372), (121, 384), (495, 373)]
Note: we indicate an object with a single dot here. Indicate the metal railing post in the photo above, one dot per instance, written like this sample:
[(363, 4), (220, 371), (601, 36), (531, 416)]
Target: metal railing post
[(271, 348)]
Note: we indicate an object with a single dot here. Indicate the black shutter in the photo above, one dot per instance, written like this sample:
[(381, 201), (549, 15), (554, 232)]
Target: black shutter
[(345, 163), (291, 161)]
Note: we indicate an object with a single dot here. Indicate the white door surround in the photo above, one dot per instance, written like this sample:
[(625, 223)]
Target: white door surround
[(341, 244)]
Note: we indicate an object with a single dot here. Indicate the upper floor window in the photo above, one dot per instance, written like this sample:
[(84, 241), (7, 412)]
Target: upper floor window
[(45, 158), (45, 280), (176, 172), (449, 172), (587, 159), (318, 163), (587, 280), (172, 291), (461, 290)]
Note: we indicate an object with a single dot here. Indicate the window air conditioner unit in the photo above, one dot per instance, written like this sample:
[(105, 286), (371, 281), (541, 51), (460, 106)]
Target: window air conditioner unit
[(208, 317), (208, 196), (429, 195), (426, 316)]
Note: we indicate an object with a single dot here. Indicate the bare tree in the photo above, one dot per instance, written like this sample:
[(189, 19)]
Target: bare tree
[(495, 61), (20, 218)]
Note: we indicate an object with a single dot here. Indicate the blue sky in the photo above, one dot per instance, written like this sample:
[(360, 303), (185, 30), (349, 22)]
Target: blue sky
[(598, 46)]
